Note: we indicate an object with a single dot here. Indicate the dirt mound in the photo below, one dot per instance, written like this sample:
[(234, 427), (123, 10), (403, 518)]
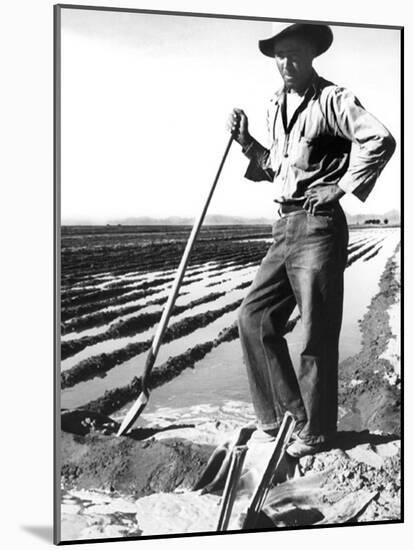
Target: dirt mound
[(136, 468), (365, 393)]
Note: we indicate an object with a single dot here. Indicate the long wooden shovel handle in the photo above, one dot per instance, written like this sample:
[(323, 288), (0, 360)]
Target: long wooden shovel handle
[(142, 399), (230, 489), (156, 342), (259, 497)]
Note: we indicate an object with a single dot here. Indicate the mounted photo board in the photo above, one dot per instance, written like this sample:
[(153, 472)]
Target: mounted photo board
[(182, 277)]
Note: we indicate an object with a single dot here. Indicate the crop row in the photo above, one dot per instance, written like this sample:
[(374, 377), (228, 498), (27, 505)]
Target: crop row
[(354, 246), (373, 254), (84, 265), (104, 317), (360, 252), (75, 312), (98, 364), (115, 399), (98, 236), (90, 315), (129, 327), (92, 296), (78, 265), (101, 299)]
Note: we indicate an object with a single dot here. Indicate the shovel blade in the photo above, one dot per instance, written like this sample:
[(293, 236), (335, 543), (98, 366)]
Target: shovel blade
[(133, 414)]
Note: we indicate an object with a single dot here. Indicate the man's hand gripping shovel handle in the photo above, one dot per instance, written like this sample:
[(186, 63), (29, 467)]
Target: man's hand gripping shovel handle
[(142, 400)]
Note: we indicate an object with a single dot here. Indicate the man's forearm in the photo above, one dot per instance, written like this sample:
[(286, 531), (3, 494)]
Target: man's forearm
[(363, 172), (259, 168), (373, 145)]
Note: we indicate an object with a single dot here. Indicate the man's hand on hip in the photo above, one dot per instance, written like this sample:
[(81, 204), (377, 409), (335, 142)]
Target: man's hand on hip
[(237, 123), (319, 196)]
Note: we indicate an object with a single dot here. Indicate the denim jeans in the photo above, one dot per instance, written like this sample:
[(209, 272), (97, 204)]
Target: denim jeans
[(304, 265)]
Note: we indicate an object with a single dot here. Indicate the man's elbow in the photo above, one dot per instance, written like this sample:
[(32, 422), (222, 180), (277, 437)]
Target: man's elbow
[(388, 145)]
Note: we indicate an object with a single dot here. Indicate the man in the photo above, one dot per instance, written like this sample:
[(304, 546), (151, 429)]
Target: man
[(323, 144)]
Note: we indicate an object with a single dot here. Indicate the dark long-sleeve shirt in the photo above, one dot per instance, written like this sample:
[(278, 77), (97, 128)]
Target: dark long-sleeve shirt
[(331, 139)]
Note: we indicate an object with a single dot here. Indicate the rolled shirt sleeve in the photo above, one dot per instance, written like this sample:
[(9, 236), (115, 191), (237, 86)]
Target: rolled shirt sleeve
[(372, 144), (259, 168)]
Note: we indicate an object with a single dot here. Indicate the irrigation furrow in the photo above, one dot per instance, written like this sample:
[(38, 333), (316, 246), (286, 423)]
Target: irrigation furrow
[(130, 326), (107, 268), (360, 253), (374, 253), (150, 258), (73, 311), (245, 284), (90, 324), (98, 364), (97, 306), (152, 254), (355, 246), (101, 318), (105, 294), (115, 399)]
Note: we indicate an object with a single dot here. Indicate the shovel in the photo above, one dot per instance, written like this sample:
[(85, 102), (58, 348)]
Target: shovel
[(230, 489), (143, 398), (282, 439)]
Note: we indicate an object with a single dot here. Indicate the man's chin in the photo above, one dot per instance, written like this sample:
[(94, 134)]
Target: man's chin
[(290, 80)]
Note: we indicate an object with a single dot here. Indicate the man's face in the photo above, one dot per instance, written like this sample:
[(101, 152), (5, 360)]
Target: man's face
[(294, 58)]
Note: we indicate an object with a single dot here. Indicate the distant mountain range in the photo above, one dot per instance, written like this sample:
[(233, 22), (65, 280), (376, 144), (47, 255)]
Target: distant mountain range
[(211, 219), (393, 217)]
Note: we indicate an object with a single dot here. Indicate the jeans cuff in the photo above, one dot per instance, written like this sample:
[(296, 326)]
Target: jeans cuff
[(267, 427), (300, 423)]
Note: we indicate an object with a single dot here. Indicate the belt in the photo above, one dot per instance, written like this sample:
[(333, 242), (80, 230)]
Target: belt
[(288, 207)]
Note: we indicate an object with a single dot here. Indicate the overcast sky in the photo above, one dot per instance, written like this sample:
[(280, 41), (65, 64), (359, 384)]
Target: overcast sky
[(145, 98)]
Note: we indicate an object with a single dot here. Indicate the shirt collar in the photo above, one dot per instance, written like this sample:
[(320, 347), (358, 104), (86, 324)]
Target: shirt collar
[(313, 87)]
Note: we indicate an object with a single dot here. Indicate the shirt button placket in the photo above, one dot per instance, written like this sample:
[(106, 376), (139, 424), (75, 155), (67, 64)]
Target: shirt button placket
[(286, 146), (285, 163)]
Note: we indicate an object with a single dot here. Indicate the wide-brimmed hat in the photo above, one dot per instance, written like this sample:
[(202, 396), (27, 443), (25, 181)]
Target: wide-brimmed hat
[(319, 35)]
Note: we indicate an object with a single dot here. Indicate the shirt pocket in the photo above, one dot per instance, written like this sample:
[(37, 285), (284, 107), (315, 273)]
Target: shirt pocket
[(304, 154), (311, 153)]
